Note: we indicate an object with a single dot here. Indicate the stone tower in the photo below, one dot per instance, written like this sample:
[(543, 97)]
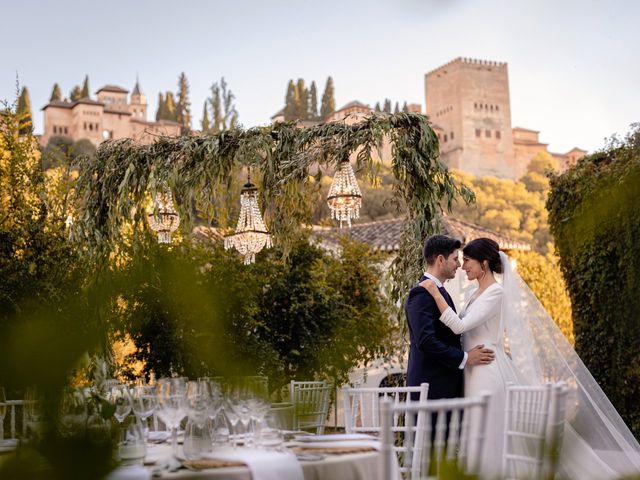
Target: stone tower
[(469, 100), (138, 105)]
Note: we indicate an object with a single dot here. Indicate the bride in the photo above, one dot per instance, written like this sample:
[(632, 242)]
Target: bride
[(597, 444)]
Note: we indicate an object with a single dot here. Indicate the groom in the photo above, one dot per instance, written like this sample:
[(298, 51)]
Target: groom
[(435, 355)]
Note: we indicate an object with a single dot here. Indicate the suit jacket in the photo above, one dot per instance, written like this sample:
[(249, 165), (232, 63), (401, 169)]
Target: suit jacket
[(435, 352)]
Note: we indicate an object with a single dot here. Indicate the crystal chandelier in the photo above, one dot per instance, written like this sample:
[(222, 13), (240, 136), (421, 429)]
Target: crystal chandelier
[(251, 234), (164, 219), (345, 198)]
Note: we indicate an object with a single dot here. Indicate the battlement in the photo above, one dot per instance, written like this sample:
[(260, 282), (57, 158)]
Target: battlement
[(469, 61)]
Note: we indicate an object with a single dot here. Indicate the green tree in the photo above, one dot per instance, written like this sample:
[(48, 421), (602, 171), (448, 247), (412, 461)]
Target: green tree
[(183, 107), (222, 101), (397, 108), (387, 106), (160, 112), (170, 112), (56, 93), (85, 93), (292, 102), (23, 111), (594, 221), (303, 100), (405, 107), (313, 102), (75, 94), (377, 107), (204, 123), (328, 105)]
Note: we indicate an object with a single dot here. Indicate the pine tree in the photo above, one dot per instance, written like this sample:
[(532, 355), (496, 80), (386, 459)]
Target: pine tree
[(216, 108), (23, 111), (183, 107), (170, 112), (313, 102), (405, 107), (76, 93), (230, 114), (290, 103), (397, 108), (161, 108), (387, 106), (328, 102), (205, 118), (377, 108), (303, 100), (56, 93), (85, 88)]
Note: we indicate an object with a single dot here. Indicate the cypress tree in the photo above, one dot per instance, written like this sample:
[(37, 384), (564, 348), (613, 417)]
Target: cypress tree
[(85, 88), (183, 107), (229, 112), (405, 107), (76, 93), (216, 107), (23, 111), (303, 100), (328, 102), (161, 108), (377, 108), (56, 93), (205, 118), (387, 106), (290, 105), (170, 112), (397, 108), (313, 102)]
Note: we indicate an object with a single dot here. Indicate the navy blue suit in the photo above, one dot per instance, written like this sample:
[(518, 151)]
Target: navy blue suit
[(435, 352)]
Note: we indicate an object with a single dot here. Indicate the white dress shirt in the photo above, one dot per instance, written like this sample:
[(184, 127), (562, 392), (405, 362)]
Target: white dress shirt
[(440, 285)]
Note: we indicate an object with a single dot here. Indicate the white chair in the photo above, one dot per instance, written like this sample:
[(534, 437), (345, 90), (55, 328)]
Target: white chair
[(456, 443), (15, 410), (533, 428), (362, 405), (310, 405)]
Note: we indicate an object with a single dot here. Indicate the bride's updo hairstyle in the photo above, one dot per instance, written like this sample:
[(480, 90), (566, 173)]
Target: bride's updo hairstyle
[(482, 249)]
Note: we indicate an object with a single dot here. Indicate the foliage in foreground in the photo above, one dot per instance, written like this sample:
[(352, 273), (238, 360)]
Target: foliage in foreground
[(593, 217)]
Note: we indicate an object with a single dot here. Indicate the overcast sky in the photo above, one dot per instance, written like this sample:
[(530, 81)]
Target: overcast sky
[(574, 66)]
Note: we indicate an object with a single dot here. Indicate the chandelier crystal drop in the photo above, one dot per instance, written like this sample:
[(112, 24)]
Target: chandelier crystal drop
[(251, 234), (345, 198), (164, 220)]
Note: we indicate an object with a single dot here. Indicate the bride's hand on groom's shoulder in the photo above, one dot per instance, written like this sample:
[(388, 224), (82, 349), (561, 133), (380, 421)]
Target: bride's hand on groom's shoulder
[(430, 286)]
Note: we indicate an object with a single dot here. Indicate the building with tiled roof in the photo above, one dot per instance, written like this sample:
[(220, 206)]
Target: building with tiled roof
[(385, 235), (112, 115)]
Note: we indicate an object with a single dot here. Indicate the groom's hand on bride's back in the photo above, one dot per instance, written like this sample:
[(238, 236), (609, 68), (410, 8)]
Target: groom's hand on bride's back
[(479, 355)]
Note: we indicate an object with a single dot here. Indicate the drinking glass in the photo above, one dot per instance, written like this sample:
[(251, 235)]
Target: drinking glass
[(132, 446), (197, 439), (171, 406), (120, 396), (198, 402), (144, 402), (233, 418)]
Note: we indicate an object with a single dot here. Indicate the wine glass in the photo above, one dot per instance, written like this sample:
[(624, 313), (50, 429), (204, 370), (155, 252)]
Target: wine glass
[(144, 402), (171, 406), (198, 402), (233, 418), (120, 397)]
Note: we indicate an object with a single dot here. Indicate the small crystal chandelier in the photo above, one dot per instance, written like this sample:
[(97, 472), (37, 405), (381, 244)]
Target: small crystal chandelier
[(345, 198), (251, 234), (164, 220)]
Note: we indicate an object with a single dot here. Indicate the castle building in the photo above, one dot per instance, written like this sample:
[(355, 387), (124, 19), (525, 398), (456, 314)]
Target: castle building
[(469, 101), (113, 115)]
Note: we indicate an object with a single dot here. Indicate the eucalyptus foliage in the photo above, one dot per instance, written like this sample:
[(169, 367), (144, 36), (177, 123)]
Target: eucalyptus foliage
[(115, 186)]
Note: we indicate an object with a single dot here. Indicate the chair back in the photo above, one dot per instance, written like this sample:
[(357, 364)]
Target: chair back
[(533, 429), (362, 405), (438, 436), (14, 419), (310, 405)]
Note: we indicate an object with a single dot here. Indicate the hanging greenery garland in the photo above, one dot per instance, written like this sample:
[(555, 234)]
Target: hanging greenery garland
[(115, 186)]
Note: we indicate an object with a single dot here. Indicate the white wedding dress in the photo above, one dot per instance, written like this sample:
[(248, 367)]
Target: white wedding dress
[(597, 444)]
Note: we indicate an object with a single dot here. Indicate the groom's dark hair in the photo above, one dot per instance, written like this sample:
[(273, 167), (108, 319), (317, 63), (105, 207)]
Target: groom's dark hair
[(439, 245)]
